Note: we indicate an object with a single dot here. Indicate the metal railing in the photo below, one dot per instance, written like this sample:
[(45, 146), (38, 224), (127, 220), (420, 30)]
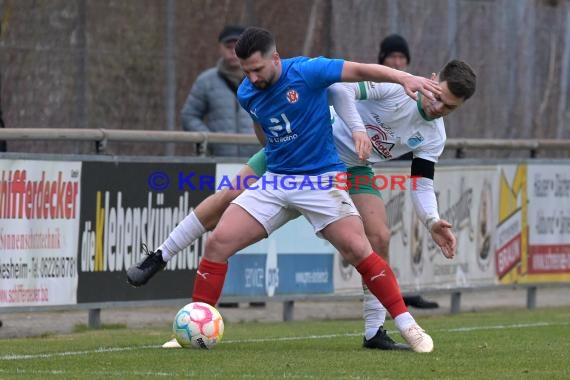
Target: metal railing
[(102, 136)]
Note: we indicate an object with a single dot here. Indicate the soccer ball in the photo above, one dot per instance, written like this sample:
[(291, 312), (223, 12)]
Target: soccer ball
[(198, 325)]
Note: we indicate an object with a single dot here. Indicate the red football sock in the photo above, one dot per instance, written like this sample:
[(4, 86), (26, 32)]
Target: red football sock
[(380, 280), (209, 281)]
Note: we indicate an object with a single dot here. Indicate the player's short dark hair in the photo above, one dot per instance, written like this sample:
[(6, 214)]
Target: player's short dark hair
[(254, 40), (460, 77)]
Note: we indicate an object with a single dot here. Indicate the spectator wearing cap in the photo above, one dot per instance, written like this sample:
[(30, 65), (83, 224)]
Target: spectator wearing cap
[(212, 106), (394, 52)]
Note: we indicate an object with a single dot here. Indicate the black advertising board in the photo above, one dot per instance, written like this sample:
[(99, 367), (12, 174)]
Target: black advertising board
[(126, 204)]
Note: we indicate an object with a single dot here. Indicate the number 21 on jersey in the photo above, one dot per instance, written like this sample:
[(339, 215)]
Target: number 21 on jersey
[(279, 125)]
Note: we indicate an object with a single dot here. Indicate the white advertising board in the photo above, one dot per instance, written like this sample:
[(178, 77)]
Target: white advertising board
[(39, 227)]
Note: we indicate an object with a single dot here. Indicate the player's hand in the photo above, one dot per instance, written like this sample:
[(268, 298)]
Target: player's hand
[(443, 236), (362, 144), (428, 87)]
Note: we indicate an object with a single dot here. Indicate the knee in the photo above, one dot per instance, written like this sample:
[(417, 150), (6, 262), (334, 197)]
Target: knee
[(355, 249), (218, 247), (380, 241)]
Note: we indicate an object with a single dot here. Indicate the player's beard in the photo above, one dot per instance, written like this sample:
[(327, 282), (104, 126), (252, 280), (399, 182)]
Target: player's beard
[(261, 84), (264, 83)]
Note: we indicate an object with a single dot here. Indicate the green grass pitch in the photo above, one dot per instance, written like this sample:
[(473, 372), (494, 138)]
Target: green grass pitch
[(513, 344)]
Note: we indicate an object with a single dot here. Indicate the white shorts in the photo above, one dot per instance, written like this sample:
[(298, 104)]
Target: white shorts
[(277, 198)]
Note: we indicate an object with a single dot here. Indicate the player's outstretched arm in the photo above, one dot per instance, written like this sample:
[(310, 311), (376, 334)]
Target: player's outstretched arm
[(356, 72), (425, 206)]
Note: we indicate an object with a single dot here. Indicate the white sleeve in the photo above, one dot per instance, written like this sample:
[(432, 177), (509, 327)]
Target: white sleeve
[(372, 90), (433, 146), (424, 200), (341, 97)]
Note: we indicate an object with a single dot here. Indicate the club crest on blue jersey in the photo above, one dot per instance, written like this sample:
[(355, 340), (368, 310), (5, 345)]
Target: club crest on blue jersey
[(292, 96), (415, 140)]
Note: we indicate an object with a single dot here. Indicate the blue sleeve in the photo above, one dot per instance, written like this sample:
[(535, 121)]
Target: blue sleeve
[(242, 96), (321, 72)]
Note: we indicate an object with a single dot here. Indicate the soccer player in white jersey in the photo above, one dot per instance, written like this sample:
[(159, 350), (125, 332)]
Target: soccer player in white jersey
[(422, 118), (397, 125), (395, 53), (287, 99)]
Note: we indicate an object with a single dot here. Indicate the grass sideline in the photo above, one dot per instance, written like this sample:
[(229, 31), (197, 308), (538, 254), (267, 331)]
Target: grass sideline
[(509, 344)]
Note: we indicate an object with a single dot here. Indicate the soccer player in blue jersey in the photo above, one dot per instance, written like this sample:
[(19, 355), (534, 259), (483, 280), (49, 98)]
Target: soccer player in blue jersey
[(387, 108), (207, 213), (287, 99)]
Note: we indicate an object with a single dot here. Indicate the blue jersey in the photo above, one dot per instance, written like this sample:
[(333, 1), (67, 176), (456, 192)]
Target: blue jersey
[(295, 117)]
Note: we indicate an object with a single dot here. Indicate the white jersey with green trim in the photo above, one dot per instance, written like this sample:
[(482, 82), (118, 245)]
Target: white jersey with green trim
[(395, 124)]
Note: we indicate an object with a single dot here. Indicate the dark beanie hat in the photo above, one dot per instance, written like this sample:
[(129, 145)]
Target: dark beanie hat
[(393, 43), (230, 33)]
